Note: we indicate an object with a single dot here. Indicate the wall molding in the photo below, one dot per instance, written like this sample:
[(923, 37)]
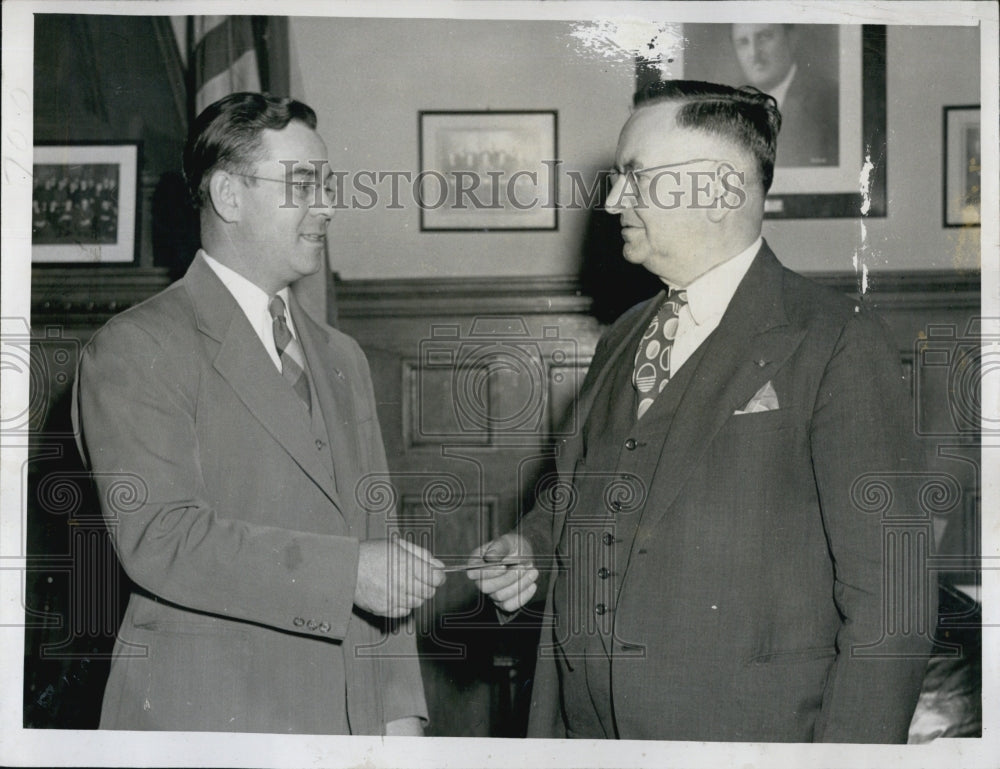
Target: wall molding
[(84, 295), (90, 295), (416, 297)]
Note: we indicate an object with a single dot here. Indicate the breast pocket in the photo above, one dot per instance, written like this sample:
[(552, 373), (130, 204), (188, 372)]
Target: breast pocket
[(761, 422)]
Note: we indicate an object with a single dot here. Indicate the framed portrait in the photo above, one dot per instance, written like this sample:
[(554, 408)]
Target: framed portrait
[(84, 203), (829, 81), (488, 170), (962, 167)]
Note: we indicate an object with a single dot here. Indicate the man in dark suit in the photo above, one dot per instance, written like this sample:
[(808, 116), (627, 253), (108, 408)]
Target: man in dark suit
[(246, 432), (711, 577), (809, 102)]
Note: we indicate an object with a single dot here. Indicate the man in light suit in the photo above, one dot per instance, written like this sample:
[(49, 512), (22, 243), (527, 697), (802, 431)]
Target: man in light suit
[(267, 598), (711, 576), (809, 102)]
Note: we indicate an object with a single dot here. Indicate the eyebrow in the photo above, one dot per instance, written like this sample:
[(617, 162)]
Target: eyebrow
[(307, 170), (629, 165)]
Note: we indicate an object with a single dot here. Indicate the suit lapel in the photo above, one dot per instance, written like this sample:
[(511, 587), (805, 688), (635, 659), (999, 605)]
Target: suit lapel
[(751, 343), (242, 361)]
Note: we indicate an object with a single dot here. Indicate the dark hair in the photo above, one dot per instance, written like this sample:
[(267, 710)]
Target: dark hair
[(744, 115), (227, 135)]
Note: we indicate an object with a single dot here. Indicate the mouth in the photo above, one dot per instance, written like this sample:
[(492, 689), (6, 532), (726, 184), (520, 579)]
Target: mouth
[(315, 238)]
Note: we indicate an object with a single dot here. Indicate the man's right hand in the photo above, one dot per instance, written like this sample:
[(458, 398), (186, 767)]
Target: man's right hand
[(395, 577), (514, 580)]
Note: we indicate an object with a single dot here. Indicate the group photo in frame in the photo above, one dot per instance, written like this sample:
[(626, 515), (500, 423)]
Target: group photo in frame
[(488, 170), (84, 203)]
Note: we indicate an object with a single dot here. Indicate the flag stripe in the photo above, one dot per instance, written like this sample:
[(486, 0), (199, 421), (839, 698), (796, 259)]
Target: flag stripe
[(205, 24), (240, 76), (218, 48)]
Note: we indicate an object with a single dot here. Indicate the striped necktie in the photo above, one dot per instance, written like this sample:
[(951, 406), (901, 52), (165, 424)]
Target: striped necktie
[(293, 361), (652, 359)]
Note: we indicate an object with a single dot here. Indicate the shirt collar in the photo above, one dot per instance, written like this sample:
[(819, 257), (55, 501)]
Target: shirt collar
[(251, 298), (780, 91), (709, 294)]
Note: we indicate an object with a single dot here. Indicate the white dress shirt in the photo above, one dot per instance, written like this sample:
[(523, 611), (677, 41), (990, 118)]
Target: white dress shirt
[(708, 297), (253, 301)]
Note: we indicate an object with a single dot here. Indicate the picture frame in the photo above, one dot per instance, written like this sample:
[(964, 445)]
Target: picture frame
[(85, 203), (489, 170), (962, 166), (850, 60)]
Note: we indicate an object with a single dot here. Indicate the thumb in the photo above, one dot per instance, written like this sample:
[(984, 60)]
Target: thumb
[(497, 550), (420, 552)]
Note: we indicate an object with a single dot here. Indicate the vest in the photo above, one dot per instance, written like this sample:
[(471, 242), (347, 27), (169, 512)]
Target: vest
[(611, 481)]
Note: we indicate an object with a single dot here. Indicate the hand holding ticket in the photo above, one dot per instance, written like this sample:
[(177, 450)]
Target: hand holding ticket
[(504, 570)]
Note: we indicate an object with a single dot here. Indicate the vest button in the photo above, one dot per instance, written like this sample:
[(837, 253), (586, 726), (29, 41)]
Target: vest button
[(319, 444), (603, 573), (630, 444), (608, 538), (600, 609)]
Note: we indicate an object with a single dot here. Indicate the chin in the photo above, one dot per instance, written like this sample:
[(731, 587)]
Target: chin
[(633, 255)]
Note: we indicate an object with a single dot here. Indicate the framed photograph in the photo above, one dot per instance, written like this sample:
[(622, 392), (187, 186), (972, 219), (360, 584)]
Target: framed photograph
[(829, 81), (962, 167), (490, 170), (84, 203)]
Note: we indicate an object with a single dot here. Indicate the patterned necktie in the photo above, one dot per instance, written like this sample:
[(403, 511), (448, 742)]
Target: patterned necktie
[(652, 359), (289, 351)]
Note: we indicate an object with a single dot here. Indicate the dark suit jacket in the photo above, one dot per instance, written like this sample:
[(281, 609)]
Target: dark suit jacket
[(754, 579), (239, 532), (810, 127)]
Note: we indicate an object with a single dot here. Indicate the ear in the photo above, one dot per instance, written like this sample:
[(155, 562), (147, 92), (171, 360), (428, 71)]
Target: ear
[(225, 195), (726, 191)]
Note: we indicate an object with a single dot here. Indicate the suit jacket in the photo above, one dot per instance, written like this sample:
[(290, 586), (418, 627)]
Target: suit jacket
[(238, 525), (754, 580), (810, 127)]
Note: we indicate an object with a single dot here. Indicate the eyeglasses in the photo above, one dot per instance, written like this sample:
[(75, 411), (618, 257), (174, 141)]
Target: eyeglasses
[(304, 191), (632, 174)]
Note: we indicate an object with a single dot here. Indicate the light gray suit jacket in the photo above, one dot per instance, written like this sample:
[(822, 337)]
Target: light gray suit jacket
[(238, 525)]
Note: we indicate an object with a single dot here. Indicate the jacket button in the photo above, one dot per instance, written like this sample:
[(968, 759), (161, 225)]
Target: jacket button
[(603, 573), (298, 622), (319, 444), (324, 627), (608, 538), (630, 444), (600, 609)]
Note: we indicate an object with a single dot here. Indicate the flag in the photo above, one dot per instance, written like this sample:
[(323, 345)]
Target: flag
[(237, 53)]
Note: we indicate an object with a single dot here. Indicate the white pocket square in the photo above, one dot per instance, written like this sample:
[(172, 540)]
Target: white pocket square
[(765, 399)]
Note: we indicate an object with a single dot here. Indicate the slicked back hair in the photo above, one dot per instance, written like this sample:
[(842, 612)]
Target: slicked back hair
[(745, 116), (227, 136)]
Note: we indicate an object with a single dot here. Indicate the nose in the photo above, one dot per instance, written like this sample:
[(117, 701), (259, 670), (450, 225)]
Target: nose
[(615, 202), (328, 206)]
